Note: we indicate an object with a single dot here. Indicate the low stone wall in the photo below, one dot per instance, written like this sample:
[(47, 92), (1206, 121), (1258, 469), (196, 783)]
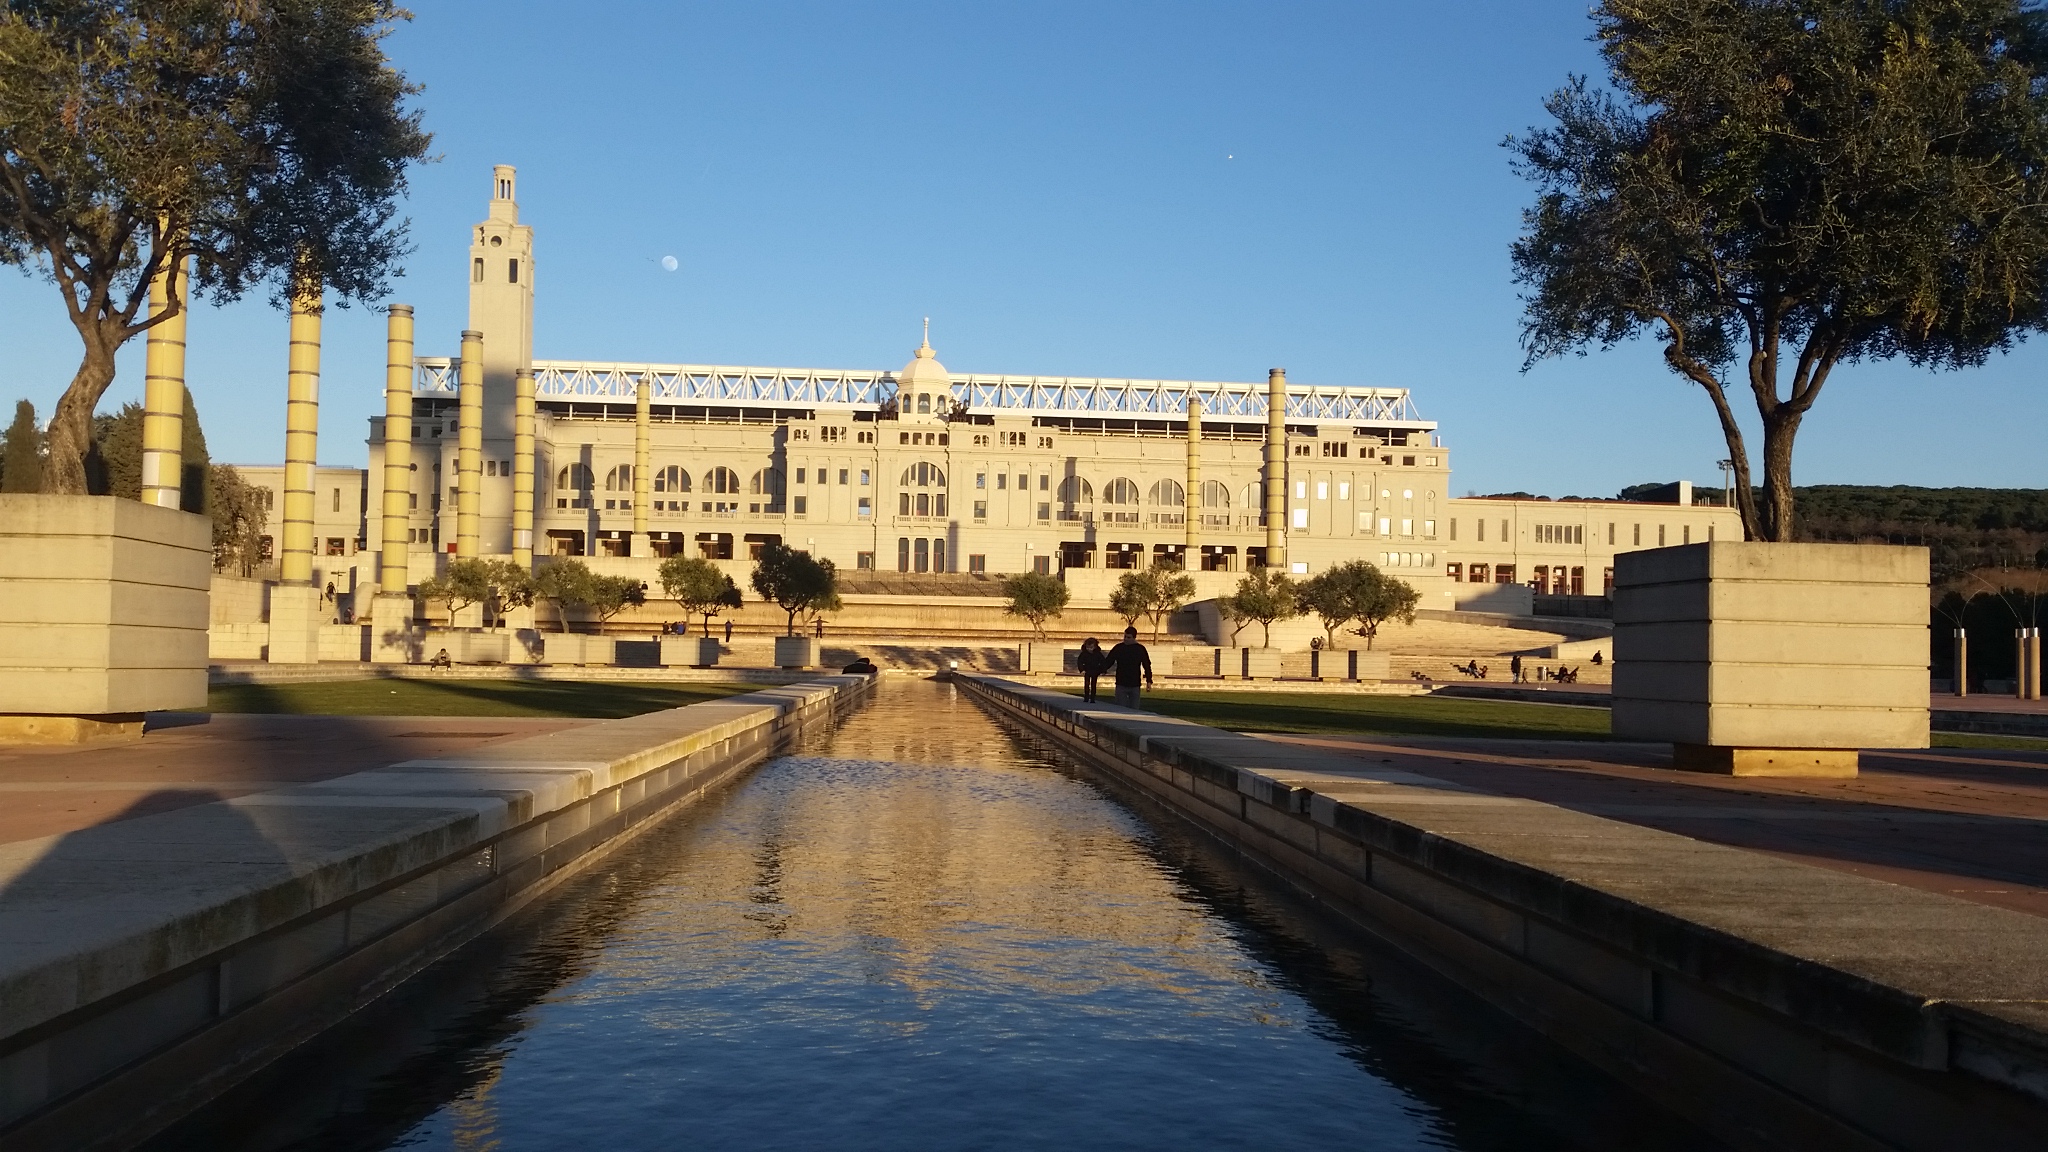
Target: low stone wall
[(147, 965), (1774, 1004)]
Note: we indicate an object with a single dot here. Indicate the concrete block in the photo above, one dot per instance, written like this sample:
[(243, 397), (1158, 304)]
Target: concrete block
[(1260, 663), (464, 647), (394, 637), (106, 606), (345, 642), (689, 652), (577, 648), (1739, 645), (1725, 761), (296, 614), (237, 641), (1368, 666), (795, 652)]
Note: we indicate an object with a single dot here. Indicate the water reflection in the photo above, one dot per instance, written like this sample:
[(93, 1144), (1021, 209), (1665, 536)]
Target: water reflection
[(920, 932)]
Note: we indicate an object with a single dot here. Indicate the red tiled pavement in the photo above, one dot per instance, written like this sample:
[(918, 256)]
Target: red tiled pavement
[(48, 791), (1972, 823)]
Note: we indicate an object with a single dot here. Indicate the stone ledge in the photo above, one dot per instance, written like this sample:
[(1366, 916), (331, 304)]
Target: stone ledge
[(104, 932), (1946, 1001)]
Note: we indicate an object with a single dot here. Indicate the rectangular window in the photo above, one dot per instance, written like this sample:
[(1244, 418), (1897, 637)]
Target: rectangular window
[(866, 510), (865, 561), (903, 553), (412, 501), (1044, 512), (1504, 574), (1639, 535), (903, 503), (490, 469), (1504, 536), (924, 503), (512, 270), (1343, 490), (1407, 461), (842, 475), (1660, 535), (335, 544), (1301, 517), (1685, 538), (863, 477), (939, 556), (1322, 489), (939, 504), (1454, 572), (799, 475), (981, 479), (981, 509), (1610, 535), (337, 499), (476, 272), (1002, 481), (1407, 527), (922, 552), (1454, 528), (1429, 529), (1044, 483), (1301, 489), (1482, 531), (1386, 526), (802, 505), (976, 562), (1042, 565), (1023, 483)]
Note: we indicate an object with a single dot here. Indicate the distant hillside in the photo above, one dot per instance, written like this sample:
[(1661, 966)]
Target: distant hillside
[(1965, 527)]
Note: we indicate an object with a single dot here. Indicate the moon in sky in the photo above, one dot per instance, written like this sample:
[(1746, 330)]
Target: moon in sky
[(668, 262)]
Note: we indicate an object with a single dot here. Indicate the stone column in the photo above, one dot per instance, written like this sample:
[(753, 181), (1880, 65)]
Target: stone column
[(469, 445), (393, 639), (163, 393), (296, 609), (1276, 470), (2033, 663), (1194, 489), (643, 480), (522, 468)]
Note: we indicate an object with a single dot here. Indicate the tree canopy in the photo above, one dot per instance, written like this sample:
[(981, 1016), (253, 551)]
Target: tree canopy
[(21, 452), (268, 139), (1152, 594), (1037, 597), (1772, 188), (699, 587), (472, 580), (1263, 596), (796, 582)]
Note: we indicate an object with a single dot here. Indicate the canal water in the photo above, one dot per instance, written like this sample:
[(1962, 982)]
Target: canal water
[(924, 931)]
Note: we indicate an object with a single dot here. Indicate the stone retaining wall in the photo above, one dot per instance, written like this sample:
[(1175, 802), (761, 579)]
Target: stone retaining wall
[(1774, 1004), (149, 964)]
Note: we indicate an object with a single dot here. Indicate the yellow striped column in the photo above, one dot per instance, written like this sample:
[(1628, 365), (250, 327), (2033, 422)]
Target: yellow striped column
[(469, 445), (1193, 496), (163, 392), (394, 564), (522, 468), (643, 480), (1276, 470), (301, 437)]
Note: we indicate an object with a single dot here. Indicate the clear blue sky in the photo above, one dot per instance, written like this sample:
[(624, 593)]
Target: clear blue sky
[(1171, 190)]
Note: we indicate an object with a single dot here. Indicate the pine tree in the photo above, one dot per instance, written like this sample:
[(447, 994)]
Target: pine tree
[(21, 452), (197, 495), (117, 442)]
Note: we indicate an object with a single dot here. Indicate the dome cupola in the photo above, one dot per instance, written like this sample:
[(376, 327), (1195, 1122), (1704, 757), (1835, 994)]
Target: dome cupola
[(923, 389)]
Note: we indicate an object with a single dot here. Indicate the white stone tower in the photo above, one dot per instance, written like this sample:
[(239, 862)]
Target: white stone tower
[(501, 279)]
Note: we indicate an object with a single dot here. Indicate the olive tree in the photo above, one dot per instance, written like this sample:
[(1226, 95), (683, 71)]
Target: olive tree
[(267, 139), (698, 587), (1036, 597), (1773, 188), (1265, 596), (795, 581)]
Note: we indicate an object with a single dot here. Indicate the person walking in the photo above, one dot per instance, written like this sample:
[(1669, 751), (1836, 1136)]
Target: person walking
[(1514, 668), (1090, 664), (728, 631), (1130, 659)]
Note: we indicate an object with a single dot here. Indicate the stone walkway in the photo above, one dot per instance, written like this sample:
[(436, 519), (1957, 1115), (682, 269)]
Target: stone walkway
[(192, 758), (1970, 823)]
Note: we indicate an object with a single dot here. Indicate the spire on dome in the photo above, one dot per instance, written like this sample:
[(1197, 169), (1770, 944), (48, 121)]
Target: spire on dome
[(924, 350)]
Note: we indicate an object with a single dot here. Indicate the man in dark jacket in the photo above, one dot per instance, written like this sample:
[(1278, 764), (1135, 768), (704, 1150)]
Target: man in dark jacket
[(1130, 659)]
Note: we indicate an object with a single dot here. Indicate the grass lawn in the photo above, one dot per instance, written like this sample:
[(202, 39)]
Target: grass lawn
[(603, 701), (1346, 714)]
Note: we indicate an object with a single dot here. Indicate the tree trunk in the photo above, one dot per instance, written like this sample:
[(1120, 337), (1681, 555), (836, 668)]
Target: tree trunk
[(1779, 430), (70, 435)]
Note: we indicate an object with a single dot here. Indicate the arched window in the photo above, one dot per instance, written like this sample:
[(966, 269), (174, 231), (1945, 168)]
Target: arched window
[(1074, 490), (1168, 494), (671, 479), (1255, 496), (923, 475), (1215, 494), (722, 482), (574, 484), (766, 482), (1119, 491), (619, 479), (924, 405)]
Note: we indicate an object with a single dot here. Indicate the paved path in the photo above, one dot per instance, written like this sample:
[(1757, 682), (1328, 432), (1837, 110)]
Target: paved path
[(191, 758), (1969, 823)]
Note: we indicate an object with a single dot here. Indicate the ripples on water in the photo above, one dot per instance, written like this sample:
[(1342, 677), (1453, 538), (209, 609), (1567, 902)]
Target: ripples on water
[(923, 933)]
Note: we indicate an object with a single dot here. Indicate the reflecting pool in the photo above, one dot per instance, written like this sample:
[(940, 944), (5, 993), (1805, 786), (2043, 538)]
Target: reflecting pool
[(923, 931)]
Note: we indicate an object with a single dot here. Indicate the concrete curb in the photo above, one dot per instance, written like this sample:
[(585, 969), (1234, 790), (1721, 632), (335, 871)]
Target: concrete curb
[(149, 964), (1773, 1003)]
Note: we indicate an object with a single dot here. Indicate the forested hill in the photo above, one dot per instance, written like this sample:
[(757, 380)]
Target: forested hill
[(1966, 527)]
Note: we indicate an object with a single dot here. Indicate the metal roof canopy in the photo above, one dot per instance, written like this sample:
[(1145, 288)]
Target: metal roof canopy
[(843, 390)]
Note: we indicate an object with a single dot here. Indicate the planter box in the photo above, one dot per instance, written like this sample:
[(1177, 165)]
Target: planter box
[(105, 608), (577, 648), (689, 652), (1743, 653), (795, 651), (1368, 665), (1196, 662), (1260, 663)]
